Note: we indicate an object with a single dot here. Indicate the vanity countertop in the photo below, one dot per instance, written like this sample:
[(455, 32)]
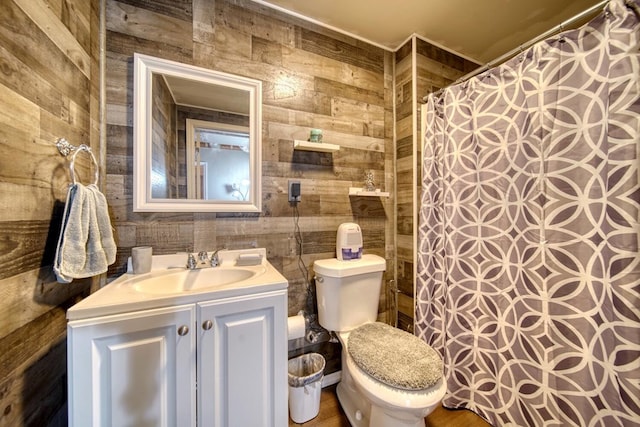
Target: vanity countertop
[(125, 294)]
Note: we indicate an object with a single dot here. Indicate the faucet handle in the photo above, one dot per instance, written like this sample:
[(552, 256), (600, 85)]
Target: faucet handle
[(191, 262), (215, 260)]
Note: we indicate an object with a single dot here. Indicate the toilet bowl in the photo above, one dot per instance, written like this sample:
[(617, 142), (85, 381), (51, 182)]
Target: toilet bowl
[(348, 295), (369, 402)]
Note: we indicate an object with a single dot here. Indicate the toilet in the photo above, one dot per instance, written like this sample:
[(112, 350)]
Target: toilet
[(390, 378)]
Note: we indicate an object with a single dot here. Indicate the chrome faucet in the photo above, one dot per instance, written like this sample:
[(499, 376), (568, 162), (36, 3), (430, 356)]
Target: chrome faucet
[(203, 257), (203, 260)]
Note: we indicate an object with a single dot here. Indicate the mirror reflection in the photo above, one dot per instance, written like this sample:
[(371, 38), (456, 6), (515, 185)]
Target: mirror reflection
[(217, 161), (196, 144)]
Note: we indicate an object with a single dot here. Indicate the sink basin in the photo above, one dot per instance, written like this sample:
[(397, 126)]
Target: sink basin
[(182, 281)]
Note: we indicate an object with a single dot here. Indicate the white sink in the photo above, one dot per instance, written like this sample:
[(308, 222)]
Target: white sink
[(169, 284), (175, 282)]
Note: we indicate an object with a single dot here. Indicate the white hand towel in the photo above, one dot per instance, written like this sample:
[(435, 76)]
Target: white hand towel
[(107, 243), (85, 246)]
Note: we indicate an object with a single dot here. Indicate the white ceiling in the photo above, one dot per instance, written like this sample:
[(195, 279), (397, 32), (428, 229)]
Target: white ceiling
[(480, 30)]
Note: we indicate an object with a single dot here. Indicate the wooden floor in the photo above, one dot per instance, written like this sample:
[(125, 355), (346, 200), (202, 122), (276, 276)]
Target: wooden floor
[(331, 415)]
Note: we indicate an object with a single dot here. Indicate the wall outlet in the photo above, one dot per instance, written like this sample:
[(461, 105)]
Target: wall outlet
[(294, 191)]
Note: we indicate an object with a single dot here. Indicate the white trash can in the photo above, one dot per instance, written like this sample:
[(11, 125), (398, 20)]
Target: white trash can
[(305, 386)]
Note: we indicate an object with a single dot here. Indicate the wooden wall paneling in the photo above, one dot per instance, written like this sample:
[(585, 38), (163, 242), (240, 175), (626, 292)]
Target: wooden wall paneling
[(22, 38), (435, 68), (203, 28), (126, 45), (256, 21), (405, 311), (179, 9), (58, 33), (76, 16), (31, 294), (27, 244), (120, 149), (446, 58), (404, 186), (405, 189), (388, 294), (33, 371), (49, 88), (119, 67), (365, 57), (336, 88), (144, 22), (266, 51), (331, 69), (229, 44)]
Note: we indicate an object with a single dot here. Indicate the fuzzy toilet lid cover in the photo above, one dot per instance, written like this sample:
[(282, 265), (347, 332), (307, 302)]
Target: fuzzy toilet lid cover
[(395, 357)]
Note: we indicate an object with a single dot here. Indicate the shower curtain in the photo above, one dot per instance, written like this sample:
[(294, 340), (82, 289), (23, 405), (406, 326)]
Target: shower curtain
[(528, 273)]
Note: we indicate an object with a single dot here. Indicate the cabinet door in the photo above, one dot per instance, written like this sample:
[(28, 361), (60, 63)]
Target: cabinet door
[(242, 357), (135, 369)]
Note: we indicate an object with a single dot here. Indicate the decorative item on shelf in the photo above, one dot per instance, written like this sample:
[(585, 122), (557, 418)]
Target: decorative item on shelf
[(369, 184), (315, 135)]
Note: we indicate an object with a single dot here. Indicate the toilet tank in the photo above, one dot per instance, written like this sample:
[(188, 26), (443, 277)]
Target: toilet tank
[(348, 292)]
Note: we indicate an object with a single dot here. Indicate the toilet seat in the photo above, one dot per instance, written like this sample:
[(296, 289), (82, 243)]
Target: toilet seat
[(387, 396)]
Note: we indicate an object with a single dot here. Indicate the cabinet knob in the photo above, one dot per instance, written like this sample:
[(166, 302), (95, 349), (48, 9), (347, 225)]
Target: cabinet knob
[(207, 324), (183, 330)]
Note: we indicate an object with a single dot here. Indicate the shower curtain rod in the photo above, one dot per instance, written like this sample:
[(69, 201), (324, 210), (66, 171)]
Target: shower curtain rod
[(522, 47)]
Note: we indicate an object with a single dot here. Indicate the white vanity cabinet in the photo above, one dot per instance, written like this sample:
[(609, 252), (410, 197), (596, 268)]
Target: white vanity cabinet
[(214, 362), (133, 369), (242, 377)]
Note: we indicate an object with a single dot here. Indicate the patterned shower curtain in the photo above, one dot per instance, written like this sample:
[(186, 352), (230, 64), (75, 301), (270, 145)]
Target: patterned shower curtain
[(528, 262)]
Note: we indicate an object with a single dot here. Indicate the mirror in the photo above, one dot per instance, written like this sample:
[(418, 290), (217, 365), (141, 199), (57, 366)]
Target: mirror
[(197, 139)]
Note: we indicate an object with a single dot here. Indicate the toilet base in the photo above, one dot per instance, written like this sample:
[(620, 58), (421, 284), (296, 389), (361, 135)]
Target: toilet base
[(354, 406), (362, 413), (383, 419)]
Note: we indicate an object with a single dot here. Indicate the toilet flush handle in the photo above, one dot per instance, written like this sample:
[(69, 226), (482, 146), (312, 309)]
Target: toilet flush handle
[(319, 279)]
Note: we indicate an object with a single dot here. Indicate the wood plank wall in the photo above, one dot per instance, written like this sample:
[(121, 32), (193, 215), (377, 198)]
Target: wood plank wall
[(312, 78), (49, 88), (420, 68)]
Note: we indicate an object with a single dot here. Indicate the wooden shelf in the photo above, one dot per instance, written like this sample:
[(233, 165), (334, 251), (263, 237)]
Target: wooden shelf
[(355, 191), (322, 147)]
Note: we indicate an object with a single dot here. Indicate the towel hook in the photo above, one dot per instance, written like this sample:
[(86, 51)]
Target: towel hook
[(65, 148)]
